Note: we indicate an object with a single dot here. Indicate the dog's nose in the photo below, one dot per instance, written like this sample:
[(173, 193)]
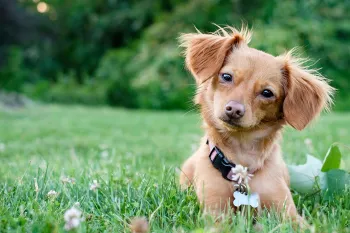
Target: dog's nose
[(234, 109)]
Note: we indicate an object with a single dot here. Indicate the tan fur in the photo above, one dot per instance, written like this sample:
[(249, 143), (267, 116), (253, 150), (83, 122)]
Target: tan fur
[(307, 93), (299, 97), (205, 53)]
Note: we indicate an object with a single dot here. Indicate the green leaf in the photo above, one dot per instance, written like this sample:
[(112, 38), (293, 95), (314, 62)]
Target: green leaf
[(303, 177), (334, 181), (332, 159)]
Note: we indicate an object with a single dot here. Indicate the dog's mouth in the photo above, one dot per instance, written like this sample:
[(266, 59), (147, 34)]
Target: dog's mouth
[(231, 123), (234, 125)]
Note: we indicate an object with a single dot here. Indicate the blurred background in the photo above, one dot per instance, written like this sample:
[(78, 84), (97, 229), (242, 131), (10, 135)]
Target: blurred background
[(125, 52)]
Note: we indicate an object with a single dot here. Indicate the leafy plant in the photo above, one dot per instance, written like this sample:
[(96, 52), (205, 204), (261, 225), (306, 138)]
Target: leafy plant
[(13, 74), (316, 176), (131, 47), (113, 69)]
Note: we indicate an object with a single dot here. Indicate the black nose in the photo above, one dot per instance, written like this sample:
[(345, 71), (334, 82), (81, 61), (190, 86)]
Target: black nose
[(234, 109)]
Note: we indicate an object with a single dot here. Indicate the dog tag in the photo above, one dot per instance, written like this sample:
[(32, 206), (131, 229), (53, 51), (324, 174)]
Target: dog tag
[(244, 199)]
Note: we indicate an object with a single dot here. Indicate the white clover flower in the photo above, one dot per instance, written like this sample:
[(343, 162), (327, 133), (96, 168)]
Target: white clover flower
[(94, 186), (308, 142), (2, 147), (104, 154), (52, 194), (72, 218), (66, 179), (240, 174)]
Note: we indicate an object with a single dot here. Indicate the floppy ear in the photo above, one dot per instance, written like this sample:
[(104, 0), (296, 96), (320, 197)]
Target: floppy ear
[(307, 94), (206, 53)]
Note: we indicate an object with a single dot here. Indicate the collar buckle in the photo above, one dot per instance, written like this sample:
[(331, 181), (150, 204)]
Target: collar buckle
[(221, 163)]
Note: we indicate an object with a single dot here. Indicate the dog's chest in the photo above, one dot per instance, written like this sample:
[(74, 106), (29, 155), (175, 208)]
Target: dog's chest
[(248, 155)]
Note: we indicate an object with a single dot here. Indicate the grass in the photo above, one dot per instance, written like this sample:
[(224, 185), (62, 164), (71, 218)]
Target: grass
[(133, 155)]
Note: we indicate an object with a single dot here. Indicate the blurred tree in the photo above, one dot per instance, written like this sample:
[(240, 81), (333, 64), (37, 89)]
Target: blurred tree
[(83, 30), (17, 28), (129, 48), (320, 28)]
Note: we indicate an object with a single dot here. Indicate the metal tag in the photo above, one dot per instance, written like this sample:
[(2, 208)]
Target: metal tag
[(246, 199)]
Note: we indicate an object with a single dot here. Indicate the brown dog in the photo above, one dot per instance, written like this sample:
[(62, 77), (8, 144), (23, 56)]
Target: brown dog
[(246, 96)]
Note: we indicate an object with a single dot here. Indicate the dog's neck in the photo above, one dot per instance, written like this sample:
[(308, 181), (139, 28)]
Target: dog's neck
[(248, 148)]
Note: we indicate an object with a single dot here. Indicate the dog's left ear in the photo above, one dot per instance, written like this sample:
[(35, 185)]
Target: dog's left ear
[(307, 94)]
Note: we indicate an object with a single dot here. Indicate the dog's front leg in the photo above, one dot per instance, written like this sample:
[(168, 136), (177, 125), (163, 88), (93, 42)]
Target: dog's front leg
[(213, 191), (275, 194), (187, 172)]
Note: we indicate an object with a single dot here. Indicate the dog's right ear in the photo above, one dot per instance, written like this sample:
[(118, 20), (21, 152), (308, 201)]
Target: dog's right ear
[(206, 53)]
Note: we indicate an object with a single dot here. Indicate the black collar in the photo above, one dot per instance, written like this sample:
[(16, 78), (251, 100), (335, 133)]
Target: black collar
[(220, 162)]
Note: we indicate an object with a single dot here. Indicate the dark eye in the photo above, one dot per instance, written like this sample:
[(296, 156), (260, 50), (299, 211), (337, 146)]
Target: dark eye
[(226, 77), (267, 93)]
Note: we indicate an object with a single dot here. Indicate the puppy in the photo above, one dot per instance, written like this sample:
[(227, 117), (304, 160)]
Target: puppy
[(246, 96)]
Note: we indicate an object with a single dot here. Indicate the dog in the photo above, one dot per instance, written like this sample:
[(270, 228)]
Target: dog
[(246, 97)]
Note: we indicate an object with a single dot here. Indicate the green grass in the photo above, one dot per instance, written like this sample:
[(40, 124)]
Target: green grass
[(134, 156)]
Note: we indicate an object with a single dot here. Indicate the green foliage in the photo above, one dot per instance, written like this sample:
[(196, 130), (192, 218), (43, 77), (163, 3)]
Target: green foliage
[(332, 159), (278, 26), (14, 73), (132, 45), (334, 182), (163, 85), (80, 32), (136, 83), (113, 68), (68, 91), (315, 176)]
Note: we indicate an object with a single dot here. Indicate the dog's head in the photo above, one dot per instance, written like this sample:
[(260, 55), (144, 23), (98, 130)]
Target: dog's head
[(241, 88)]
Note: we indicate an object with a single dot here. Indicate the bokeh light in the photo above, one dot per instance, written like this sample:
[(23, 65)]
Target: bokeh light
[(42, 7)]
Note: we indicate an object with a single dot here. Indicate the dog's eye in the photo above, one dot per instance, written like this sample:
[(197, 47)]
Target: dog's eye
[(267, 93), (226, 77)]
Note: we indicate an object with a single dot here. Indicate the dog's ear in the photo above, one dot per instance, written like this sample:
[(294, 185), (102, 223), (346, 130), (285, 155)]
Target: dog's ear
[(307, 93), (206, 53)]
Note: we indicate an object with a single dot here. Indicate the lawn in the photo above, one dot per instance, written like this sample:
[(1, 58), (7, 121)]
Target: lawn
[(133, 155)]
